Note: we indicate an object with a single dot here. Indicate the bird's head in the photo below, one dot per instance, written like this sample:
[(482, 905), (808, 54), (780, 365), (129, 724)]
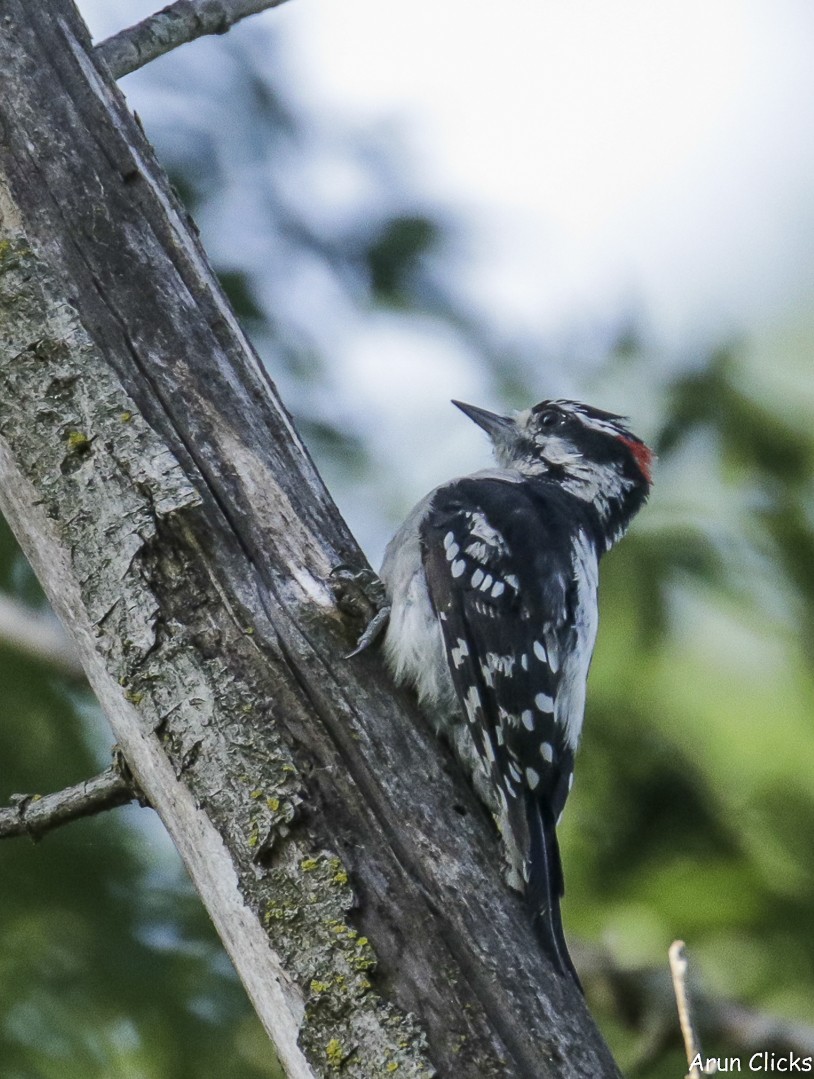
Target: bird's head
[(591, 453)]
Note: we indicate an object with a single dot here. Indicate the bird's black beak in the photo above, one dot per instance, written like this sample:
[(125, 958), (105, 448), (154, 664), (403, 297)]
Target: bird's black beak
[(496, 427)]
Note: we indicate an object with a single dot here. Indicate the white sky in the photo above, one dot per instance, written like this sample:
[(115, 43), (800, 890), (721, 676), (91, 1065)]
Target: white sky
[(612, 154), (615, 152)]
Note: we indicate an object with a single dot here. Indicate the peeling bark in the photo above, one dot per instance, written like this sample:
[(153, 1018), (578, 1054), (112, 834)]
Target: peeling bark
[(176, 522)]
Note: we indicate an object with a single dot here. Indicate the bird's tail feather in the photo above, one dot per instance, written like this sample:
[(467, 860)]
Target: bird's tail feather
[(545, 885)]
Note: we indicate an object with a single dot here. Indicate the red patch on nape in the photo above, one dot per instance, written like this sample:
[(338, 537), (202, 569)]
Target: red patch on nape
[(642, 454)]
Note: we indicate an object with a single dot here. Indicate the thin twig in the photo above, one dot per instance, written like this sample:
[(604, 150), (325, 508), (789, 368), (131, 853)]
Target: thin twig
[(175, 25), (35, 814), (644, 998), (692, 1043)]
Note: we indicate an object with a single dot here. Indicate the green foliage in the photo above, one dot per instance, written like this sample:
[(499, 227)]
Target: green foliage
[(693, 809), (394, 255), (238, 289)]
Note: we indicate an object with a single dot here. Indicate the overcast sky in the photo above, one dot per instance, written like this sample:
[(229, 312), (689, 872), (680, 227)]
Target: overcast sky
[(659, 154), (632, 150)]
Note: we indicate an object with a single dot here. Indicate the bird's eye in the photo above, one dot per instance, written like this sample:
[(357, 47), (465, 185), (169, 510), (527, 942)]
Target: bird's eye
[(550, 418)]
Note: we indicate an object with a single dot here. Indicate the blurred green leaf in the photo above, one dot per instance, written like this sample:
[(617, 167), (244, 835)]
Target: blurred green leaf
[(393, 256)]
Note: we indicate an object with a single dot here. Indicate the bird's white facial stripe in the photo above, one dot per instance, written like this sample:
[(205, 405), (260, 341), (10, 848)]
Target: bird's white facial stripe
[(596, 423), (558, 450)]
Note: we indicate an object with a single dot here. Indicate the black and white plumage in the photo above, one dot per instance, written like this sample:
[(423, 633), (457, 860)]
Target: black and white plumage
[(492, 585)]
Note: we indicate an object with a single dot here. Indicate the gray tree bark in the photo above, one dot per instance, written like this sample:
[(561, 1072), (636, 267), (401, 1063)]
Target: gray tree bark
[(177, 524)]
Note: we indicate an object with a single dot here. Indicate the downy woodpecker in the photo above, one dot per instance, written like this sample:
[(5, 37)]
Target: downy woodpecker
[(492, 587)]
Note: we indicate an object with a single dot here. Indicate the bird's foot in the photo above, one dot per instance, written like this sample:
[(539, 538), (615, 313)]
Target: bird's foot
[(360, 593)]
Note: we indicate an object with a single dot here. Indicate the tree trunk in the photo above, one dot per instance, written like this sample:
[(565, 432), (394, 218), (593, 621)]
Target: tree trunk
[(177, 524)]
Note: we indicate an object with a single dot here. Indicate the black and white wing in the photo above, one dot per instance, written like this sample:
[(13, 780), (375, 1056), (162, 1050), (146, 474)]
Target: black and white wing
[(507, 600)]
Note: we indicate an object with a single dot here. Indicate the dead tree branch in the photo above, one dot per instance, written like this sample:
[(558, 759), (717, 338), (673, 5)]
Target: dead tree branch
[(35, 814), (175, 25)]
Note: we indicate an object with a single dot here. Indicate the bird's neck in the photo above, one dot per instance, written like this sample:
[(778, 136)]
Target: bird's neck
[(609, 499)]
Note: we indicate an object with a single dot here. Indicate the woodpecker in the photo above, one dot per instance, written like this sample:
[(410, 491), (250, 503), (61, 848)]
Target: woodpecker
[(492, 590)]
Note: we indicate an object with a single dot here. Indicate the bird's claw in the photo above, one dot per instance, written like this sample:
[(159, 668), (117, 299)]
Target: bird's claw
[(373, 630), (360, 593)]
